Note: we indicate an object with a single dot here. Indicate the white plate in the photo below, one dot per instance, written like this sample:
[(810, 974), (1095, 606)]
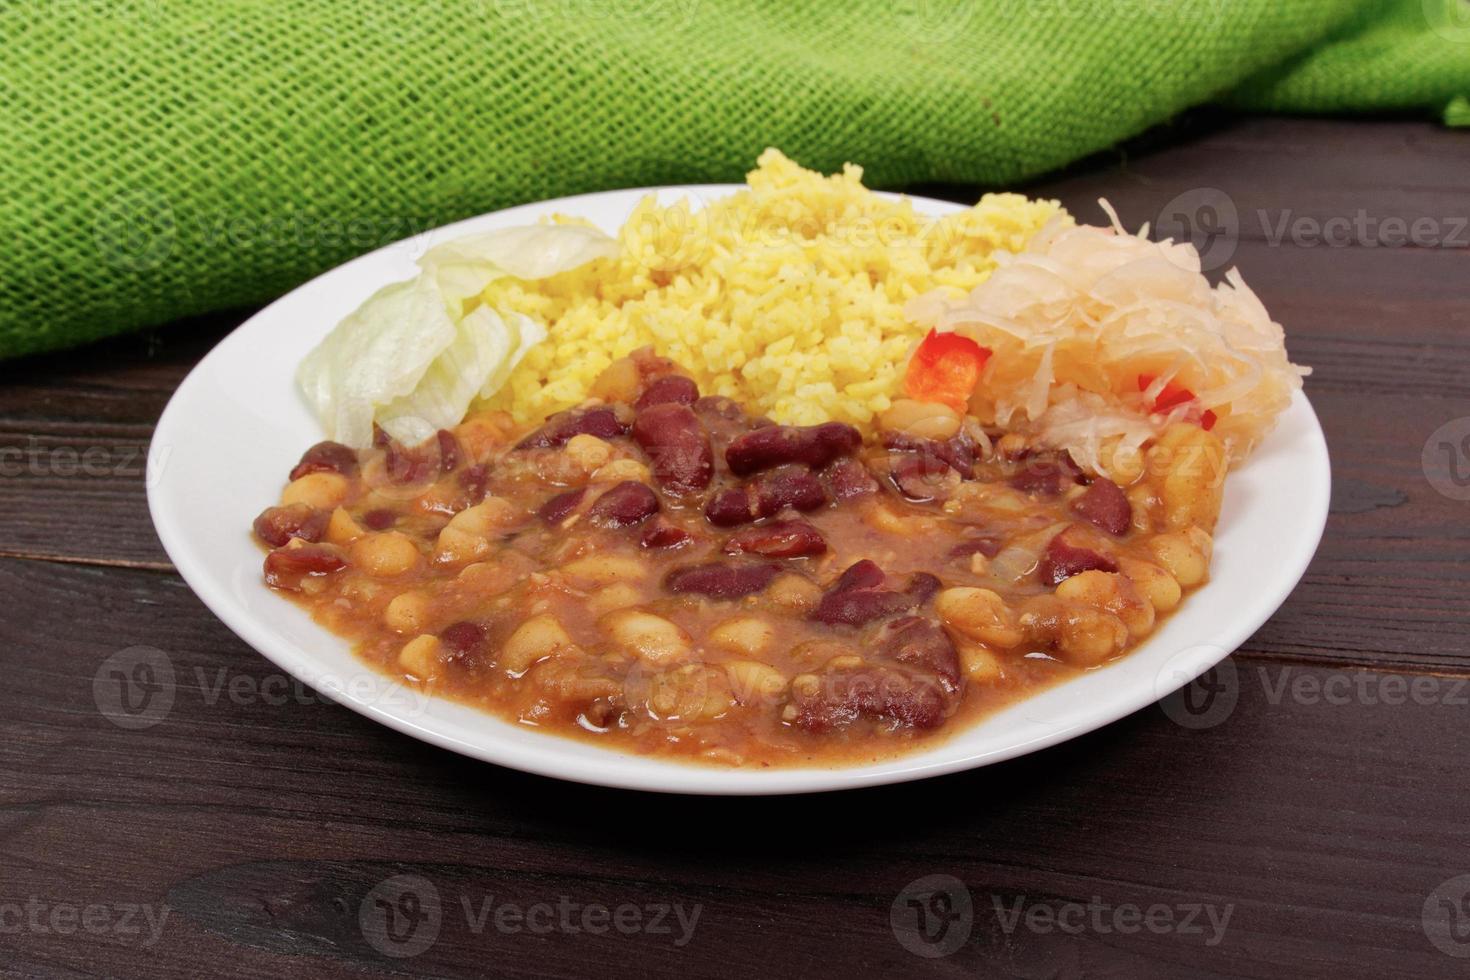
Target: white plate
[(237, 425)]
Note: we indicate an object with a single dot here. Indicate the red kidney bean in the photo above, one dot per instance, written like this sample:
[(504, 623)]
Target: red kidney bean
[(720, 580), (864, 574), (476, 482), (923, 586), (673, 388), (326, 457), (463, 637), (856, 597), (849, 478), (661, 534), (922, 643), (1045, 472), (882, 693), (601, 422), (778, 539), (814, 445), (626, 504), (987, 546), (1105, 505), (856, 607), (555, 510), (678, 448), (728, 508), (922, 478), (958, 453), (786, 486), (1062, 560), (449, 453), (404, 465), (380, 519), (278, 525), (962, 452), (286, 567)]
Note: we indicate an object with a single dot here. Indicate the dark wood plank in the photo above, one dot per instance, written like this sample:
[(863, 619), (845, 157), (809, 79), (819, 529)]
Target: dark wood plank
[(75, 429), (1294, 168), (262, 824)]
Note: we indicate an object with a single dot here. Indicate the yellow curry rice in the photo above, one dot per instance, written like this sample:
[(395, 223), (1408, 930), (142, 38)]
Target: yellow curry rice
[(788, 296)]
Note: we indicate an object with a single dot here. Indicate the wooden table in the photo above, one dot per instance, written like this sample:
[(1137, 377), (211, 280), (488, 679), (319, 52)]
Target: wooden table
[(1313, 826)]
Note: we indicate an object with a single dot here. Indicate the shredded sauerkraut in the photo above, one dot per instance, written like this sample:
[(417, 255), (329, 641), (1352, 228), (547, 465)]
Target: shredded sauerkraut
[(1089, 326)]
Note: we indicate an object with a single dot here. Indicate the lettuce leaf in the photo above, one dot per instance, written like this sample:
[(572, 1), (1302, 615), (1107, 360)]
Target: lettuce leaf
[(465, 266), (417, 353), (378, 353), (452, 381)]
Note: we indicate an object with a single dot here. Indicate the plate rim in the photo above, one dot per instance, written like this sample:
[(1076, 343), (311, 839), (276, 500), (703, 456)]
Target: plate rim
[(671, 775)]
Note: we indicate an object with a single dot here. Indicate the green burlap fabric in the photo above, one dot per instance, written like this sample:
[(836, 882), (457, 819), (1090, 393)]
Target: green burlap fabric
[(161, 158)]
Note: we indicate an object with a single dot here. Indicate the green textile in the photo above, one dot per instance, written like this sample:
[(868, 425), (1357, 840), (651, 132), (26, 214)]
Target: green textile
[(161, 158)]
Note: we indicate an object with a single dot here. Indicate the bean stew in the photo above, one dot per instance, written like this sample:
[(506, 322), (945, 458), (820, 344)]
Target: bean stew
[(658, 571)]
